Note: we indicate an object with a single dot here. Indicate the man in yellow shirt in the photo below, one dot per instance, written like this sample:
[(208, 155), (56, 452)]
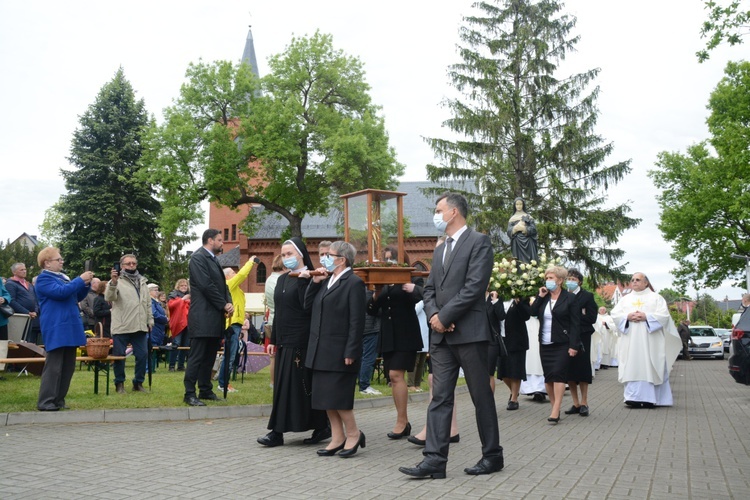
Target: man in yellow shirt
[(234, 280)]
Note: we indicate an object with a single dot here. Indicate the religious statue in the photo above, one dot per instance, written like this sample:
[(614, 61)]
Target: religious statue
[(522, 233)]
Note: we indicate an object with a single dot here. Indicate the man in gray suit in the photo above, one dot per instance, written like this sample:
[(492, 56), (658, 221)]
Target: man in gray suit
[(455, 305)]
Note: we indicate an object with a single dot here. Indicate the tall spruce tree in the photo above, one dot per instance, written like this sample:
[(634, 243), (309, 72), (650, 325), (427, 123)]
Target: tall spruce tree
[(108, 210), (526, 132)]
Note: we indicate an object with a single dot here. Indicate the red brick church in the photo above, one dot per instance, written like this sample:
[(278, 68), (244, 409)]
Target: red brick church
[(266, 242)]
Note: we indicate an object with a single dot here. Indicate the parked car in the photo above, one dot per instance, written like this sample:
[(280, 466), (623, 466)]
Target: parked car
[(726, 337), (739, 355), (705, 343)]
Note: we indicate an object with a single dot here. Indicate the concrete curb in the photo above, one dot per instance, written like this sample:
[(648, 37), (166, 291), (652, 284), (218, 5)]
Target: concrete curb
[(176, 414)]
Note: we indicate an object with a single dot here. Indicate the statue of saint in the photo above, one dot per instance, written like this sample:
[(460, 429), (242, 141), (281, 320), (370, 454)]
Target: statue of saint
[(522, 233)]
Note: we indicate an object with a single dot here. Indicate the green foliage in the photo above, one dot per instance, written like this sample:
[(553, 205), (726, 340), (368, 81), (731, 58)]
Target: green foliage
[(727, 22), (671, 296), (108, 210), (309, 136), (705, 203), (527, 133), (17, 252), (51, 228)]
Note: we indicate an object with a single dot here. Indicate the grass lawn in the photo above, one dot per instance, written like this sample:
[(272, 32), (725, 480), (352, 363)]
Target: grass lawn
[(20, 393)]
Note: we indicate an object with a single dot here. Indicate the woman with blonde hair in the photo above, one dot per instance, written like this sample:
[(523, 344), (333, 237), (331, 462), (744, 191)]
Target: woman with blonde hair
[(61, 323), (559, 334)]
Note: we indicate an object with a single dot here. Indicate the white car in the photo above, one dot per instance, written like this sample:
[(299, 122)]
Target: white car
[(726, 336), (705, 343)]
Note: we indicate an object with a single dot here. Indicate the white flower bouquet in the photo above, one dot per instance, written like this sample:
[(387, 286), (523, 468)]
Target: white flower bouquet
[(511, 278)]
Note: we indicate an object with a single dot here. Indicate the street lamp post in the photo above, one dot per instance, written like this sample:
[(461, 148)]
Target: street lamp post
[(747, 268)]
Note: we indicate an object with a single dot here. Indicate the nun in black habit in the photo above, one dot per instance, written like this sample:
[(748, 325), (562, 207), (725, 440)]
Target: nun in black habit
[(292, 388)]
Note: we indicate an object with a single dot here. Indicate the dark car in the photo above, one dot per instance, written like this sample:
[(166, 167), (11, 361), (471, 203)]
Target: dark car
[(739, 354)]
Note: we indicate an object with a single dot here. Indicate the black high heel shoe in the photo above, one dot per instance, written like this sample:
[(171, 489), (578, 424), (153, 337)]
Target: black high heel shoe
[(329, 453), (398, 435), (351, 451)]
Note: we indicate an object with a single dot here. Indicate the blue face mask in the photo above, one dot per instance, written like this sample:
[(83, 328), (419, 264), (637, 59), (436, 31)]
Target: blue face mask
[(290, 263), (572, 286), (551, 285), (327, 261)]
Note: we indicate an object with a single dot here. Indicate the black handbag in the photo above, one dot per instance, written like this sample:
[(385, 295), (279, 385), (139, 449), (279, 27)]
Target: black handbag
[(6, 310)]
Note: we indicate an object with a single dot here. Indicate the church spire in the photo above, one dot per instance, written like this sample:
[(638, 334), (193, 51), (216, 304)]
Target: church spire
[(248, 56)]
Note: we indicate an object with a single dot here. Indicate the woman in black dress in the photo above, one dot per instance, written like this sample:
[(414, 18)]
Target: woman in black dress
[(559, 317), (335, 349), (400, 339), (292, 388), (511, 368)]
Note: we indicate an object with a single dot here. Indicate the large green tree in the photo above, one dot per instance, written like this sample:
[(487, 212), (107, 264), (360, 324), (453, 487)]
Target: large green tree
[(525, 131), (705, 201), (728, 21), (108, 210), (290, 143)]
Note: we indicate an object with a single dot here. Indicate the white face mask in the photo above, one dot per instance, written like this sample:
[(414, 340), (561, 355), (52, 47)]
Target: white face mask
[(440, 224)]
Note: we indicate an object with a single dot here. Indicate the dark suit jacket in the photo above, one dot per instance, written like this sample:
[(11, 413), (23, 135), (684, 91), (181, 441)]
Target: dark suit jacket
[(455, 292), (566, 319), (588, 318), (337, 323), (208, 296), (516, 334)]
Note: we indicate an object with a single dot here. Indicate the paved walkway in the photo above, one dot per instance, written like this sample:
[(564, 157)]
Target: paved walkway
[(696, 449)]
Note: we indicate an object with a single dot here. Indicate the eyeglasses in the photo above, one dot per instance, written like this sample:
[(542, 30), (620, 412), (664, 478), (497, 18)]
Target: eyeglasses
[(334, 255), (59, 259), (129, 264), (636, 279)]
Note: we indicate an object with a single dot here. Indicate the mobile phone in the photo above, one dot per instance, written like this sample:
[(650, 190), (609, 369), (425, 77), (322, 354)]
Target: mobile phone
[(87, 265), (256, 260), (117, 267)]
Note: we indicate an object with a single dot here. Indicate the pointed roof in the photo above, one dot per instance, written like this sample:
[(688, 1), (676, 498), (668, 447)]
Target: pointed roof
[(248, 56)]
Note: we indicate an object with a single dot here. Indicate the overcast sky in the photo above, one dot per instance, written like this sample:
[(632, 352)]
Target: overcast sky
[(56, 56)]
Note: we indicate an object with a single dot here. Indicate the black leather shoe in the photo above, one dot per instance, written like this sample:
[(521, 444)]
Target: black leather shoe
[(325, 452), (416, 440), (423, 470), (486, 466), (456, 438), (573, 410), (512, 405), (399, 435), (634, 404), (209, 397), (193, 401), (318, 435), (584, 411), (351, 451), (272, 439)]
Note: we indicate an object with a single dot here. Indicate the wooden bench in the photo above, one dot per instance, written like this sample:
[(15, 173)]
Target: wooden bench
[(99, 365)]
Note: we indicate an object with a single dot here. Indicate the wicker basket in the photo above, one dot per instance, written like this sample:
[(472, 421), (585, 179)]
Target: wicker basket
[(98, 347)]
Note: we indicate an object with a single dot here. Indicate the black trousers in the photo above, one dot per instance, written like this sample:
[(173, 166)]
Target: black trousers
[(58, 370), (446, 361), (202, 356)]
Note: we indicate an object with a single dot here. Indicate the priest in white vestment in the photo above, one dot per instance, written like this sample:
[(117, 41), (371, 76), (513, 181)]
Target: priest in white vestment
[(648, 345), (602, 329)]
